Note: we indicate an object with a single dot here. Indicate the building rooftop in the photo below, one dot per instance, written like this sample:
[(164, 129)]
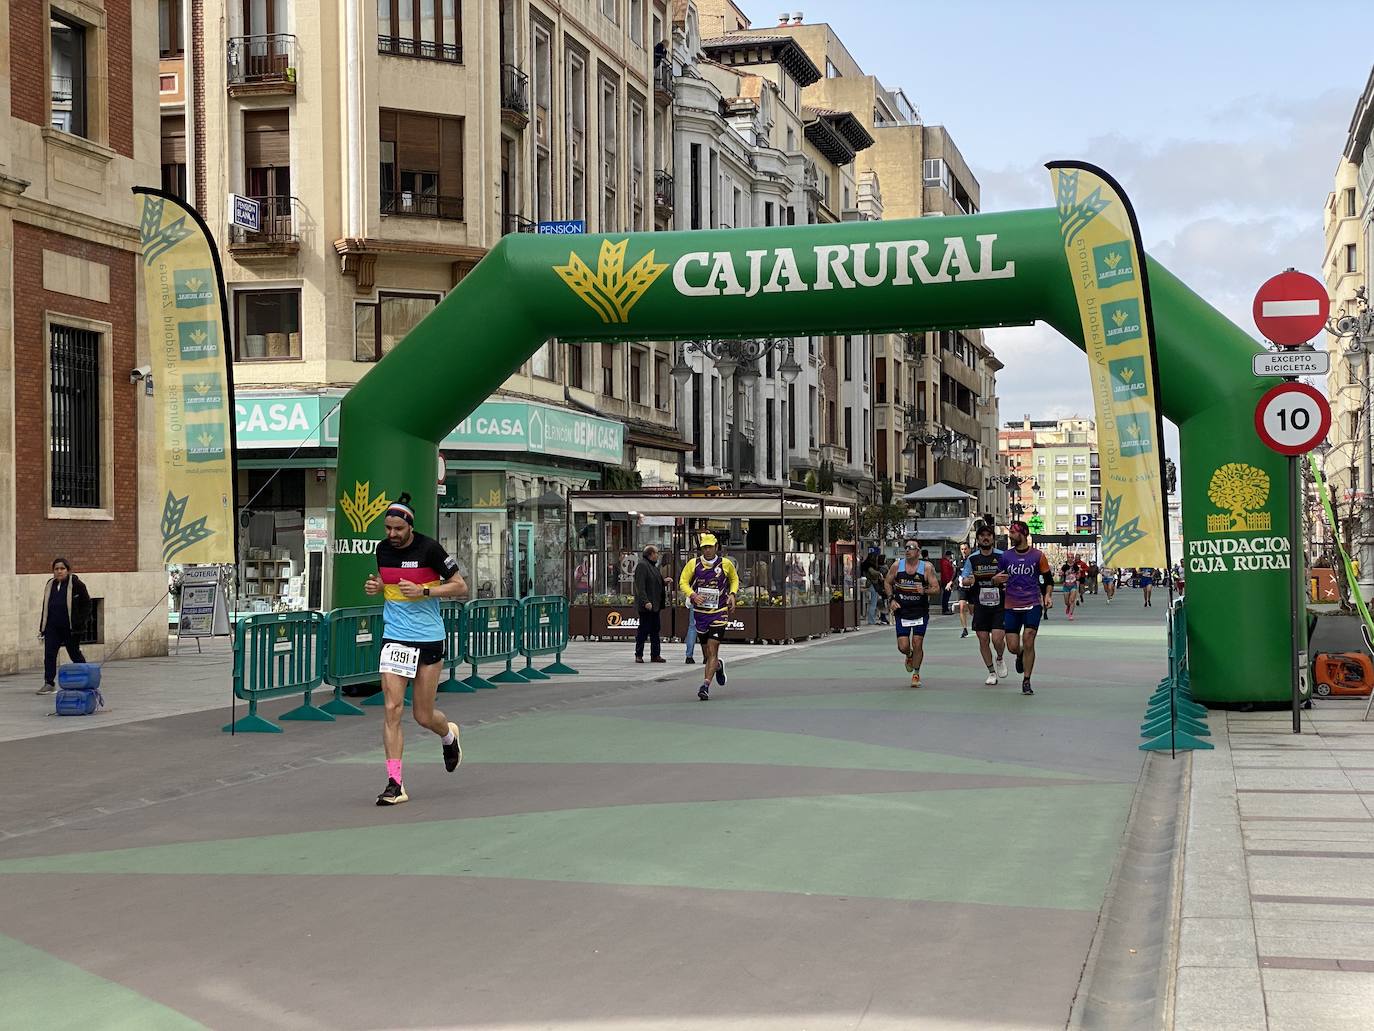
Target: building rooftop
[(745, 48)]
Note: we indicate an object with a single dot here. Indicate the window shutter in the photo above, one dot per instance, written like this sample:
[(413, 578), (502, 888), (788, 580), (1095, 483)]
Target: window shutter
[(266, 139), (451, 157), (174, 140)]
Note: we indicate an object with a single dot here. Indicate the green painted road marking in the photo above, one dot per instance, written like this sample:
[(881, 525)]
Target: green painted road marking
[(992, 847), (974, 699), (41, 991), (585, 738)]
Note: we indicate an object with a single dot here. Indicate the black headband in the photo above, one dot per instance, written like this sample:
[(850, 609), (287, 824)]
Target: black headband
[(398, 509)]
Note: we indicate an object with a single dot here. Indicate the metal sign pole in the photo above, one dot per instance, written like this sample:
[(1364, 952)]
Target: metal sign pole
[(1296, 565)]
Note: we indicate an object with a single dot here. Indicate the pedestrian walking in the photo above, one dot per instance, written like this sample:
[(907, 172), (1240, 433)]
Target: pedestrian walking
[(413, 573), (1068, 574), (1094, 571), (963, 593), (66, 608), (871, 569), (650, 596), (946, 582)]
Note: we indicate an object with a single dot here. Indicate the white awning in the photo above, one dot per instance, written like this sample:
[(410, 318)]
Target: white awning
[(710, 507), (939, 492)]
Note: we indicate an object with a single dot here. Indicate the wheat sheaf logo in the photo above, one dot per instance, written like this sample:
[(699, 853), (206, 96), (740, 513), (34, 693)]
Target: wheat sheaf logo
[(1119, 317), (361, 509), (1113, 259), (612, 290), (1240, 490)]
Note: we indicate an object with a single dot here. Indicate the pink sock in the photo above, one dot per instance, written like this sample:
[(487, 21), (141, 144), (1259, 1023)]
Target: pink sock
[(393, 770)]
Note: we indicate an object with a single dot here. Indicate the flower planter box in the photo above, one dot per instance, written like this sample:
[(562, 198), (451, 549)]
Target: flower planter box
[(579, 621), (614, 622), (805, 621), (771, 621)]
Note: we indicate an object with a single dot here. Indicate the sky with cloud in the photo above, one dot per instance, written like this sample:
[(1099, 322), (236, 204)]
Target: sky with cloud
[(1224, 121)]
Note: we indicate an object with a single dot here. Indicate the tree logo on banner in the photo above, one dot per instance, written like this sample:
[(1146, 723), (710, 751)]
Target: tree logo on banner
[(611, 291), (1240, 490), (362, 511)]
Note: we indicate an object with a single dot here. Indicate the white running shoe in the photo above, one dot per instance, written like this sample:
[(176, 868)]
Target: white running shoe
[(991, 681), (1001, 668)]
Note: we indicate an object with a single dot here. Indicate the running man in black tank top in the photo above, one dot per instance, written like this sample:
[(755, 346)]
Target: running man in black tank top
[(910, 583)]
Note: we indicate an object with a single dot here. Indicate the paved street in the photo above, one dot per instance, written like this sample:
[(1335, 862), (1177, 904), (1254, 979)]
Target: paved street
[(818, 847)]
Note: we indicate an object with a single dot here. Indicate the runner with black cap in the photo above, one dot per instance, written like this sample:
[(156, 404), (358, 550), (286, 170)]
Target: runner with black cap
[(413, 573), (987, 600)]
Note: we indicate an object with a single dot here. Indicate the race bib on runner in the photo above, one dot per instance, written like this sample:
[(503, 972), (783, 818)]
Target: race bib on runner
[(710, 597), (989, 597), (399, 659), (910, 624)]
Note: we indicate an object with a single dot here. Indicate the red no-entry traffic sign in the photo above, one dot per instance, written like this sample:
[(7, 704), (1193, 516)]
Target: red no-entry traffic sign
[(1292, 418), (1291, 308)]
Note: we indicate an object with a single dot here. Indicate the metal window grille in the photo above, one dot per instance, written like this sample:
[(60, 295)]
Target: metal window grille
[(74, 361)]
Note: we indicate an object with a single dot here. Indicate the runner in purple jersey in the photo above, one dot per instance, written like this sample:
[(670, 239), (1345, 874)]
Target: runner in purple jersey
[(1019, 569)]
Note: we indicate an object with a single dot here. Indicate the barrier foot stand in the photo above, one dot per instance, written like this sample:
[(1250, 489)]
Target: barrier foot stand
[(508, 676), (453, 685), (477, 683), (1184, 724), (559, 667), (530, 673), (307, 712), (1181, 742), (336, 706), (252, 723), (1181, 705)]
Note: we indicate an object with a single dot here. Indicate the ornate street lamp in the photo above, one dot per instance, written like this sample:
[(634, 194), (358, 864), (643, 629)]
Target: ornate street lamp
[(736, 361)]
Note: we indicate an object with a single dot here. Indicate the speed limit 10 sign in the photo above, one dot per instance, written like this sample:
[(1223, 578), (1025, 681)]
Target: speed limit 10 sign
[(1292, 418)]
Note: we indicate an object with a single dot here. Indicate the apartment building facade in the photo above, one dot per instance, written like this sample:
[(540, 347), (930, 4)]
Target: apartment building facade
[(78, 479), (935, 414), (1348, 219), (389, 146), (1056, 461)]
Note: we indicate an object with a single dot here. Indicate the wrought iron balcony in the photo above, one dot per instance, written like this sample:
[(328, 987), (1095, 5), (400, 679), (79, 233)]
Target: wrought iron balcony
[(663, 190), (422, 205), (404, 46), (663, 82), (515, 96), (261, 64), (61, 89), (279, 232)]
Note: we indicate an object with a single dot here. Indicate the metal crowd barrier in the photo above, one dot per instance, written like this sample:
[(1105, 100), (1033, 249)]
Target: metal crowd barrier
[(352, 653), (493, 634), (1173, 721), (544, 631), (455, 647), (276, 654)]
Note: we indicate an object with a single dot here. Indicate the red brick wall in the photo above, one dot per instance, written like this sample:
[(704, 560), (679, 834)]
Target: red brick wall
[(29, 85), (119, 26), (91, 545)]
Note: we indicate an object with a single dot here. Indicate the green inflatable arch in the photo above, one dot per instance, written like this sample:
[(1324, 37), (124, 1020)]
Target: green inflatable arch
[(900, 276)]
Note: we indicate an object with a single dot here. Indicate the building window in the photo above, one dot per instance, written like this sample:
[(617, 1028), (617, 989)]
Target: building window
[(74, 377), (577, 355), (638, 130), (611, 9), (637, 22), (541, 362), (576, 100), (421, 165), (267, 156), (934, 172), (267, 325), (1081, 493), (636, 375), (174, 155), (169, 28), (698, 454), (792, 415), (813, 416), (1350, 202), (68, 75), (431, 29), (831, 72), (541, 88), (1351, 264), (382, 324), (848, 358), (608, 140), (661, 380), (608, 370), (694, 186)]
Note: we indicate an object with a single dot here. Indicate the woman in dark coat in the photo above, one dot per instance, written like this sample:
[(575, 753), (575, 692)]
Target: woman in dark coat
[(66, 607)]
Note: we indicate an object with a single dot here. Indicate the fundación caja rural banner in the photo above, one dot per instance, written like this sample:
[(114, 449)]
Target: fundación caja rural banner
[(1102, 244), (192, 381)]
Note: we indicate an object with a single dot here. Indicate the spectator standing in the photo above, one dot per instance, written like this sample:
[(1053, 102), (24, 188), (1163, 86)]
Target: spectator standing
[(66, 608), (874, 573), (650, 596)]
